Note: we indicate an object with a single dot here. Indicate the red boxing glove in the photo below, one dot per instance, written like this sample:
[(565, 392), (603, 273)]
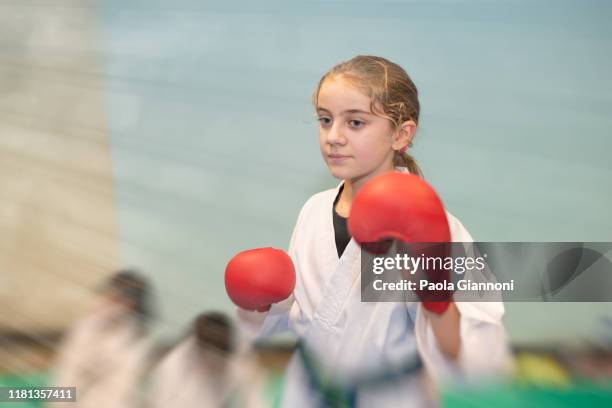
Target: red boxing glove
[(256, 278), (404, 207)]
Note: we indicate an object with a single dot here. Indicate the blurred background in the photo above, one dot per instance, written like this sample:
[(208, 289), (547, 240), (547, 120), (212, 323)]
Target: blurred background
[(168, 136)]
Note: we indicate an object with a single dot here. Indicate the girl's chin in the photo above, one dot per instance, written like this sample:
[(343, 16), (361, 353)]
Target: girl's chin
[(338, 172), (342, 174)]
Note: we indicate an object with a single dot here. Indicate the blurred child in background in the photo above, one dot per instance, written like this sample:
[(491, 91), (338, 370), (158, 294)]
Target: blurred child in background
[(208, 370), (105, 355)]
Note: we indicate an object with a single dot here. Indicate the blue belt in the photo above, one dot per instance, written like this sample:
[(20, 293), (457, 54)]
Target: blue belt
[(339, 395)]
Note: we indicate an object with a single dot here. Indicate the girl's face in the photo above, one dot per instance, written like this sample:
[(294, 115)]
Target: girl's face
[(112, 305), (355, 143)]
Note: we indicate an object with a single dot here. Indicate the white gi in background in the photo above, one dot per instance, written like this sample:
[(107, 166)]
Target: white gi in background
[(104, 356), (189, 378), (356, 338)]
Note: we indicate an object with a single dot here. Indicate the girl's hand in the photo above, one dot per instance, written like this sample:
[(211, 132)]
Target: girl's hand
[(256, 278)]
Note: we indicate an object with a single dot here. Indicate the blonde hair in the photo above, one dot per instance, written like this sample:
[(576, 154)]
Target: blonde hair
[(389, 88)]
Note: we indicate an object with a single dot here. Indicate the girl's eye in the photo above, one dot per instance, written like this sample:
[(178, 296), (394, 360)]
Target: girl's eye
[(325, 121), (356, 123)]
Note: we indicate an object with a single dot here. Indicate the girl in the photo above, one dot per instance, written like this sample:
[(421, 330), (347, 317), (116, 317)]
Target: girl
[(368, 111)]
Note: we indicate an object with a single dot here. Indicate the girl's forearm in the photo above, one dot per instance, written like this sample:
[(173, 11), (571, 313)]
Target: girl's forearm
[(446, 330)]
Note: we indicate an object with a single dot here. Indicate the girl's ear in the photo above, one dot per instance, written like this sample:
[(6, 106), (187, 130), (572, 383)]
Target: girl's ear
[(404, 135)]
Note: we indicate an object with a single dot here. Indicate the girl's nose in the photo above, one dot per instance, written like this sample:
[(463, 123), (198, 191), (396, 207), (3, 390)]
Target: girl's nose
[(335, 135)]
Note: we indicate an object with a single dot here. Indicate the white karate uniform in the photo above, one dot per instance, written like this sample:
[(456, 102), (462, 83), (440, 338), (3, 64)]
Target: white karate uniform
[(105, 359), (326, 313), (184, 379)]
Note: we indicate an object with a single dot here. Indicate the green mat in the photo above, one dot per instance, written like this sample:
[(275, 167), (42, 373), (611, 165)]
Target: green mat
[(499, 396), (30, 380), (514, 395), (274, 388)]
